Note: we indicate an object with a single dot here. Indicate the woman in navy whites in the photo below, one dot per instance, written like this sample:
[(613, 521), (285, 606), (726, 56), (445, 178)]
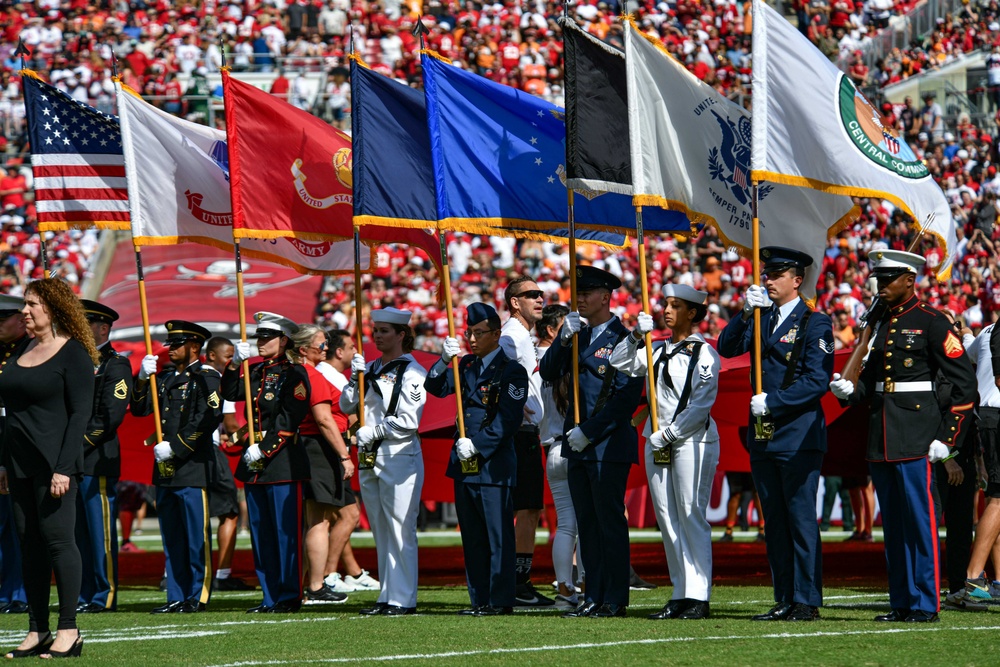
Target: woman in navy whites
[(273, 468), (394, 403), (48, 392), (184, 461), (686, 370)]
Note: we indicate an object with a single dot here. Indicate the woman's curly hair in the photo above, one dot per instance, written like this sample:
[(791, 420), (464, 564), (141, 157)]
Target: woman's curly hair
[(66, 312)]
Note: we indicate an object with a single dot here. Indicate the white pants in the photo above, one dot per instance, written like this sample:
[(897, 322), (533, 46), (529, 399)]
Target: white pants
[(680, 493), (391, 494), (564, 542)]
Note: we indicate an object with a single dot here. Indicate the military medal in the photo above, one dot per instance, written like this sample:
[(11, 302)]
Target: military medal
[(602, 369), (269, 396)]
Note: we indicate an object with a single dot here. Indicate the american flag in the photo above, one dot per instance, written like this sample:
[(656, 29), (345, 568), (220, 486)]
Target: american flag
[(76, 157)]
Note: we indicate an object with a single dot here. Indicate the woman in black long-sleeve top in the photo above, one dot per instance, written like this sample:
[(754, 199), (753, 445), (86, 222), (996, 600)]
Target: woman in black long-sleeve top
[(48, 394)]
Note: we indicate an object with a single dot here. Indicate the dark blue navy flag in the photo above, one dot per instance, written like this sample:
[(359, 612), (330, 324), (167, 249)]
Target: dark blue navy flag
[(499, 156)]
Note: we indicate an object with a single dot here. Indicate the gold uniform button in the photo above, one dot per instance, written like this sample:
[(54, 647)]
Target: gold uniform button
[(952, 428), (888, 342), (892, 331), (888, 367), (888, 354), (918, 406)]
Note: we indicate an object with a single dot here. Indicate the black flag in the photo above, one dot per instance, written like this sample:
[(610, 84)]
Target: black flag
[(597, 136)]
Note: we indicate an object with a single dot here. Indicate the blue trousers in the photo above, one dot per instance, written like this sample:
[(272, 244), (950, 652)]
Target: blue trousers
[(910, 529), (486, 517), (275, 513), (187, 544), (598, 491), (787, 483), (11, 581), (97, 538)]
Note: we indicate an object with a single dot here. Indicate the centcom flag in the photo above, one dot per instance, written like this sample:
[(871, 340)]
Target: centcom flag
[(813, 128), (178, 175), (691, 152), (76, 158)]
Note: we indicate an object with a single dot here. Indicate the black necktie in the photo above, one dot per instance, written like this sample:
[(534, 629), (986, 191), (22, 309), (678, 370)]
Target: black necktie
[(477, 368), (775, 314)]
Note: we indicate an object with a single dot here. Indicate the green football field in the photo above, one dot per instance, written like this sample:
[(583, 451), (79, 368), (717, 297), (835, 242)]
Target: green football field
[(333, 634)]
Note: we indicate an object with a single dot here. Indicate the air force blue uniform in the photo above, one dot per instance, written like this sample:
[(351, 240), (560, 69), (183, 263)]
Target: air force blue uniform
[(493, 402), (598, 475), (786, 468)]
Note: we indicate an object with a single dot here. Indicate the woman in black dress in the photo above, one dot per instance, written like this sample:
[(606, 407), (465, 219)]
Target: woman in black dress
[(48, 394)]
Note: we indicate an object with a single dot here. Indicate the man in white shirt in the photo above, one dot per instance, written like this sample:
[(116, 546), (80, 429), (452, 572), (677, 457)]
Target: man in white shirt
[(525, 301)]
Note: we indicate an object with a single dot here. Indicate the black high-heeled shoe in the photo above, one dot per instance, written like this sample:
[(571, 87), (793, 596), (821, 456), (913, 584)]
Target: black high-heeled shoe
[(41, 647), (73, 651)]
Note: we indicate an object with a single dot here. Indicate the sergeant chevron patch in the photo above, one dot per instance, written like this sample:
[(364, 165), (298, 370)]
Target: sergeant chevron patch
[(826, 347), (516, 393)]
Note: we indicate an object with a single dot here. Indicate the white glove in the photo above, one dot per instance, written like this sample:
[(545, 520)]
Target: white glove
[(465, 449), (241, 352), (366, 436), (162, 451), (658, 440), (576, 440), (841, 387), (358, 366), (938, 452), (252, 454), (756, 297), (148, 367), (758, 405), (451, 349), (570, 327), (644, 324)]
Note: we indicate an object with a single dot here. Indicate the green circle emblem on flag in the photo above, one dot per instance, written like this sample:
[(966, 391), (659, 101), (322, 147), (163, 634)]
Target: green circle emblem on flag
[(876, 141)]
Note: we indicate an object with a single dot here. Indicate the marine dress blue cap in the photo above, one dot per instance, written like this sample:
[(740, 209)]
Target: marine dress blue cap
[(590, 277), (98, 312), (181, 331), (270, 325), (895, 262), (480, 312), (10, 305), (776, 258)]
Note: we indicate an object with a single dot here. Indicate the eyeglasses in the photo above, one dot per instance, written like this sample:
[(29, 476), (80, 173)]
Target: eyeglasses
[(470, 334), (531, 294), (320, 348)]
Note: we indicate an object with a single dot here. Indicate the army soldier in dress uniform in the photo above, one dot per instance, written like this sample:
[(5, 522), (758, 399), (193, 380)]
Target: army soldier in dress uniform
[(604, 446), (13, 338), (183, 465), (483, 464), (909, 428), (788, 440), (97, 500), (273, 468)]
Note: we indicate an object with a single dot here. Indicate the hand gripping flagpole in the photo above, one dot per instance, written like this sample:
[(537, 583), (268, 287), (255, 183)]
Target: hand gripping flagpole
[(758, 376), (654, 420), (149, 342), (446, 286)]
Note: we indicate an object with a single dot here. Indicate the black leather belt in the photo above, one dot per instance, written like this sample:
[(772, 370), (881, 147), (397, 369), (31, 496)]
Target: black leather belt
[(529, 428)]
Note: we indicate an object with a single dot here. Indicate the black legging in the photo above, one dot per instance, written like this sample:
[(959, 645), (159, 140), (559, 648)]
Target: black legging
[(47, 526)]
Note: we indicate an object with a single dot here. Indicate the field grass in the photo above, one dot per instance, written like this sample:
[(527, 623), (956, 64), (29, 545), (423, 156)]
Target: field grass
[(332, 634)]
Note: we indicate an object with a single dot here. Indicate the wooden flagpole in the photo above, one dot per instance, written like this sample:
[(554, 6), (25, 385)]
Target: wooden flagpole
[(358, 305), (446, 286), (571, 218), (650, 380), (149, 342)]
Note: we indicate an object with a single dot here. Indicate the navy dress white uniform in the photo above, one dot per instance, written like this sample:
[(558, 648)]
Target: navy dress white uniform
[(97, 500), (394, 403), (797, 362), (687, 383), (273, 483), (187, 422), (909, 429), (13, 599), (494, 390), (598, 473)]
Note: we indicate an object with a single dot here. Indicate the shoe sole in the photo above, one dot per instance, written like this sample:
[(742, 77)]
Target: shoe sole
[(308, 601), (533, 603)]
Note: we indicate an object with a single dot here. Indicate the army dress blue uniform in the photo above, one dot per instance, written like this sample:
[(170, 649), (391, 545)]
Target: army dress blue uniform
[(97, 500), (187, 423), (280, 393), (598, 475), (493, 402), (786, 467), (912, 343)]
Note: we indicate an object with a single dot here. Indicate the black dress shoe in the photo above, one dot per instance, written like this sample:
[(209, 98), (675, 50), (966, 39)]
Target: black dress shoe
[(697, 610), (608, 610), (803, 612), (490, 610), (396, 610), (15, 607), (585, 609), (231, 584), (286, 607), (191, 607), (894, 616), (259, 609), (920, 616), (777, 613), (471, 611), (169, 608), (91, 608), (671, 610), (44, 643), (374, 611)]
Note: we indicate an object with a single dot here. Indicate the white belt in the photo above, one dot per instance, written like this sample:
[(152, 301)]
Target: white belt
[(903, 387)]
